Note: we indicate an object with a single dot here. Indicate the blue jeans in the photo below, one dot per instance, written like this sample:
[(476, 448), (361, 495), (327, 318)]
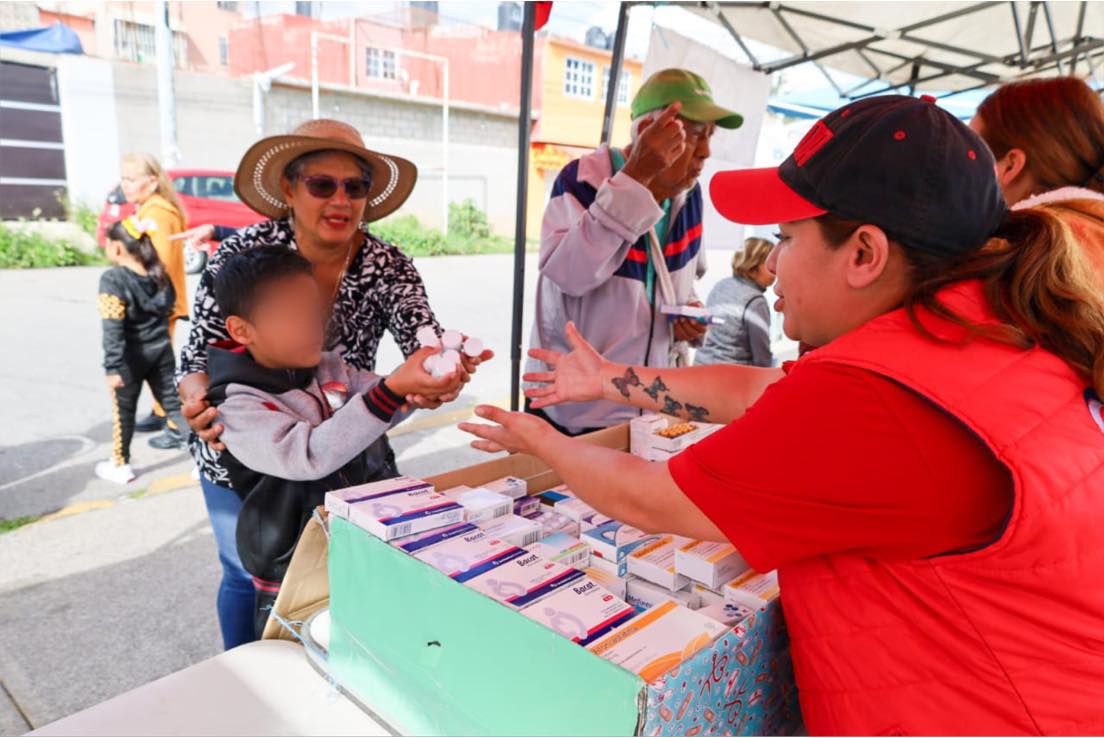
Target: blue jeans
[(235, 601)]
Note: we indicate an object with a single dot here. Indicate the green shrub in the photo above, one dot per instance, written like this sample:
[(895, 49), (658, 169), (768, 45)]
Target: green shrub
[(469, 233), (467, 220), (28, 250), (81, 214)]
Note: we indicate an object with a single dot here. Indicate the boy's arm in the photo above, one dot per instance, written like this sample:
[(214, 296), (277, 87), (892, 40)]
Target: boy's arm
[(112, 305), (268, 438)]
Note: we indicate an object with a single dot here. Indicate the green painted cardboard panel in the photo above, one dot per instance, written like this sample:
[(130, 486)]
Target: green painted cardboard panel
[(493, 672)]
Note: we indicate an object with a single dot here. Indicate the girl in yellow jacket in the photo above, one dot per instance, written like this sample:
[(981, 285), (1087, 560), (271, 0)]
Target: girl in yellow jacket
[(145, 184)]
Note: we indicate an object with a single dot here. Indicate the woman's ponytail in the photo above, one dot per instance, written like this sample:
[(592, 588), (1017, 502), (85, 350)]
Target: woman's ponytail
[(1039, 282)]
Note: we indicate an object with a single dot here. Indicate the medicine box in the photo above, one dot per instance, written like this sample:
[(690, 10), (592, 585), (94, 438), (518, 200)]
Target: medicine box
[(388, 515), (753, 589), (421, 541), (657, 437), (563, 549), (643, 595), (710, 563), (515, 529), (615, 540), (480, 505), (708, 595), (467, 555), (581, 612), (527, 506), (655, 562), (552, 522), (512, 487), (573, 508), (726, 613), (524, 578), (612, 568), (659, 640), (337, 502), (615, 584)]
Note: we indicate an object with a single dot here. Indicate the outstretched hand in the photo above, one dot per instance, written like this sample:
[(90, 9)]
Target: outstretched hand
[(574, 377), (514, 432)]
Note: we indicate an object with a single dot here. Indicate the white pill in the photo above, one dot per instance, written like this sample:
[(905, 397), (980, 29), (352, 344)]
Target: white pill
[(431, 363), (473, 347), (427, 336), (452, 340), (450, 360)]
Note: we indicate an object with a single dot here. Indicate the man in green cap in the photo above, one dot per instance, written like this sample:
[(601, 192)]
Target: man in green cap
[(621, 239)]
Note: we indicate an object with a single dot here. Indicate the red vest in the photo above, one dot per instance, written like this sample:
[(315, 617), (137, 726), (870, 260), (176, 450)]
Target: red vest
[(1005, 640)]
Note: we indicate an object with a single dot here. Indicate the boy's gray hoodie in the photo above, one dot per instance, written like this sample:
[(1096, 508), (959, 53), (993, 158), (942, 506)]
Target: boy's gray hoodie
[(292, 435)]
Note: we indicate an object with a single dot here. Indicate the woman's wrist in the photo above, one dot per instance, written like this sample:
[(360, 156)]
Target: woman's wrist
[(610, 371)]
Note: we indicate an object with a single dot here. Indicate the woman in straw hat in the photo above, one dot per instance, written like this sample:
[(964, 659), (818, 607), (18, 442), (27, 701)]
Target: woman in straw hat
[(320, 187)]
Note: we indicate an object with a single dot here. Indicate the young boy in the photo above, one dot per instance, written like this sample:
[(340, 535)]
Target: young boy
[(297, 419)]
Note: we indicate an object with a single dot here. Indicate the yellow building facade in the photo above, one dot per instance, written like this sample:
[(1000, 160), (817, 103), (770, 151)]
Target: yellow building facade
[(570, 102)]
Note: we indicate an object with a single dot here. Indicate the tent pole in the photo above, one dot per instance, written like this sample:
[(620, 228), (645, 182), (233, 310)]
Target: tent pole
[(524, 123), (613, 83)]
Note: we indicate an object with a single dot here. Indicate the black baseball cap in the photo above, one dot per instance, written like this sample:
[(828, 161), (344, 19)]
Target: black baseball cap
[(897, 162)]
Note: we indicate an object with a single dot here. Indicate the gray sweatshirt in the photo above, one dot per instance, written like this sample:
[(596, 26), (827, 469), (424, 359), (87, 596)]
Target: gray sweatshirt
[(744, 338)]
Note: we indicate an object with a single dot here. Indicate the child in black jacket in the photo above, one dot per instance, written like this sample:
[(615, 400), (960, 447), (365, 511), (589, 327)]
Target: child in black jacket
[(298, 421), (135, 301)]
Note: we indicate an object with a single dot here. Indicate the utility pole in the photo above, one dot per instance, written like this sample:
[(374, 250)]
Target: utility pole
[(166, 96)]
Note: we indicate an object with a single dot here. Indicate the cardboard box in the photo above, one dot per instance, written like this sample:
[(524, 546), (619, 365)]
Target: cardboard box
[(643, 595), (388, 515), (581, 612), (552, 522), (427, 654), (655, 562), (465, 556), (659, 640), (337, 501), (563, 549), (710, 563), (523, 579), (753, 589), (615, 540), (480, 504), (527, 507)]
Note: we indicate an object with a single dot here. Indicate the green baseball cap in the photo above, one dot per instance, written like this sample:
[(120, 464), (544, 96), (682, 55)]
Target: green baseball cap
[(670, 85)]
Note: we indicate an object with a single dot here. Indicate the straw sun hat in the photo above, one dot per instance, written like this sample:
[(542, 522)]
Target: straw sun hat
[(257, 180)]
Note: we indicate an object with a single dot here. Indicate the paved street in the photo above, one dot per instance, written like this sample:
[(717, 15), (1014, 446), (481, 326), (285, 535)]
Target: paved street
[(120, 588)]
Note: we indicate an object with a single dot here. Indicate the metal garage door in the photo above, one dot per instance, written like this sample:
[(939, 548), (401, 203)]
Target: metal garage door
[(32, 154)]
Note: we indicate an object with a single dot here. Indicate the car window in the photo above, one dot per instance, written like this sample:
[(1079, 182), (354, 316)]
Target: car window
[(184, 185), (216, 187)]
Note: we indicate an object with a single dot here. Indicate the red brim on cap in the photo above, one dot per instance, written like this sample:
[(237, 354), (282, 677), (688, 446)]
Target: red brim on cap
[(758, 197)]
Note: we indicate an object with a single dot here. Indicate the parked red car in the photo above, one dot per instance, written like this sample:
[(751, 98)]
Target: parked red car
[(208, 199)]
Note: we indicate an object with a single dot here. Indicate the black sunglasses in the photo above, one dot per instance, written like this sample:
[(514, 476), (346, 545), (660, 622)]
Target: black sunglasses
[(324, 186)]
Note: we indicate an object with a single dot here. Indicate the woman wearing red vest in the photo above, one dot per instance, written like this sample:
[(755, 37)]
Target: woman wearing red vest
[(930, 481)]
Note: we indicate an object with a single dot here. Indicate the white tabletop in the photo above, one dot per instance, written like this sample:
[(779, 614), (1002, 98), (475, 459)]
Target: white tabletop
[(263, 688)]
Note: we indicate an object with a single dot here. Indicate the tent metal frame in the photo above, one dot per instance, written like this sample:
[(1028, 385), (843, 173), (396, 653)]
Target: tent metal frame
[(1030, 58)]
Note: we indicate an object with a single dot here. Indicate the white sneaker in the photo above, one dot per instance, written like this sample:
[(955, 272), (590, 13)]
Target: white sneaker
[(111, 472)]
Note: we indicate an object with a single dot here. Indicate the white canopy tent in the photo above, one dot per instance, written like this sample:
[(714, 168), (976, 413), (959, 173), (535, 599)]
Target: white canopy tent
[(946, 47)]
